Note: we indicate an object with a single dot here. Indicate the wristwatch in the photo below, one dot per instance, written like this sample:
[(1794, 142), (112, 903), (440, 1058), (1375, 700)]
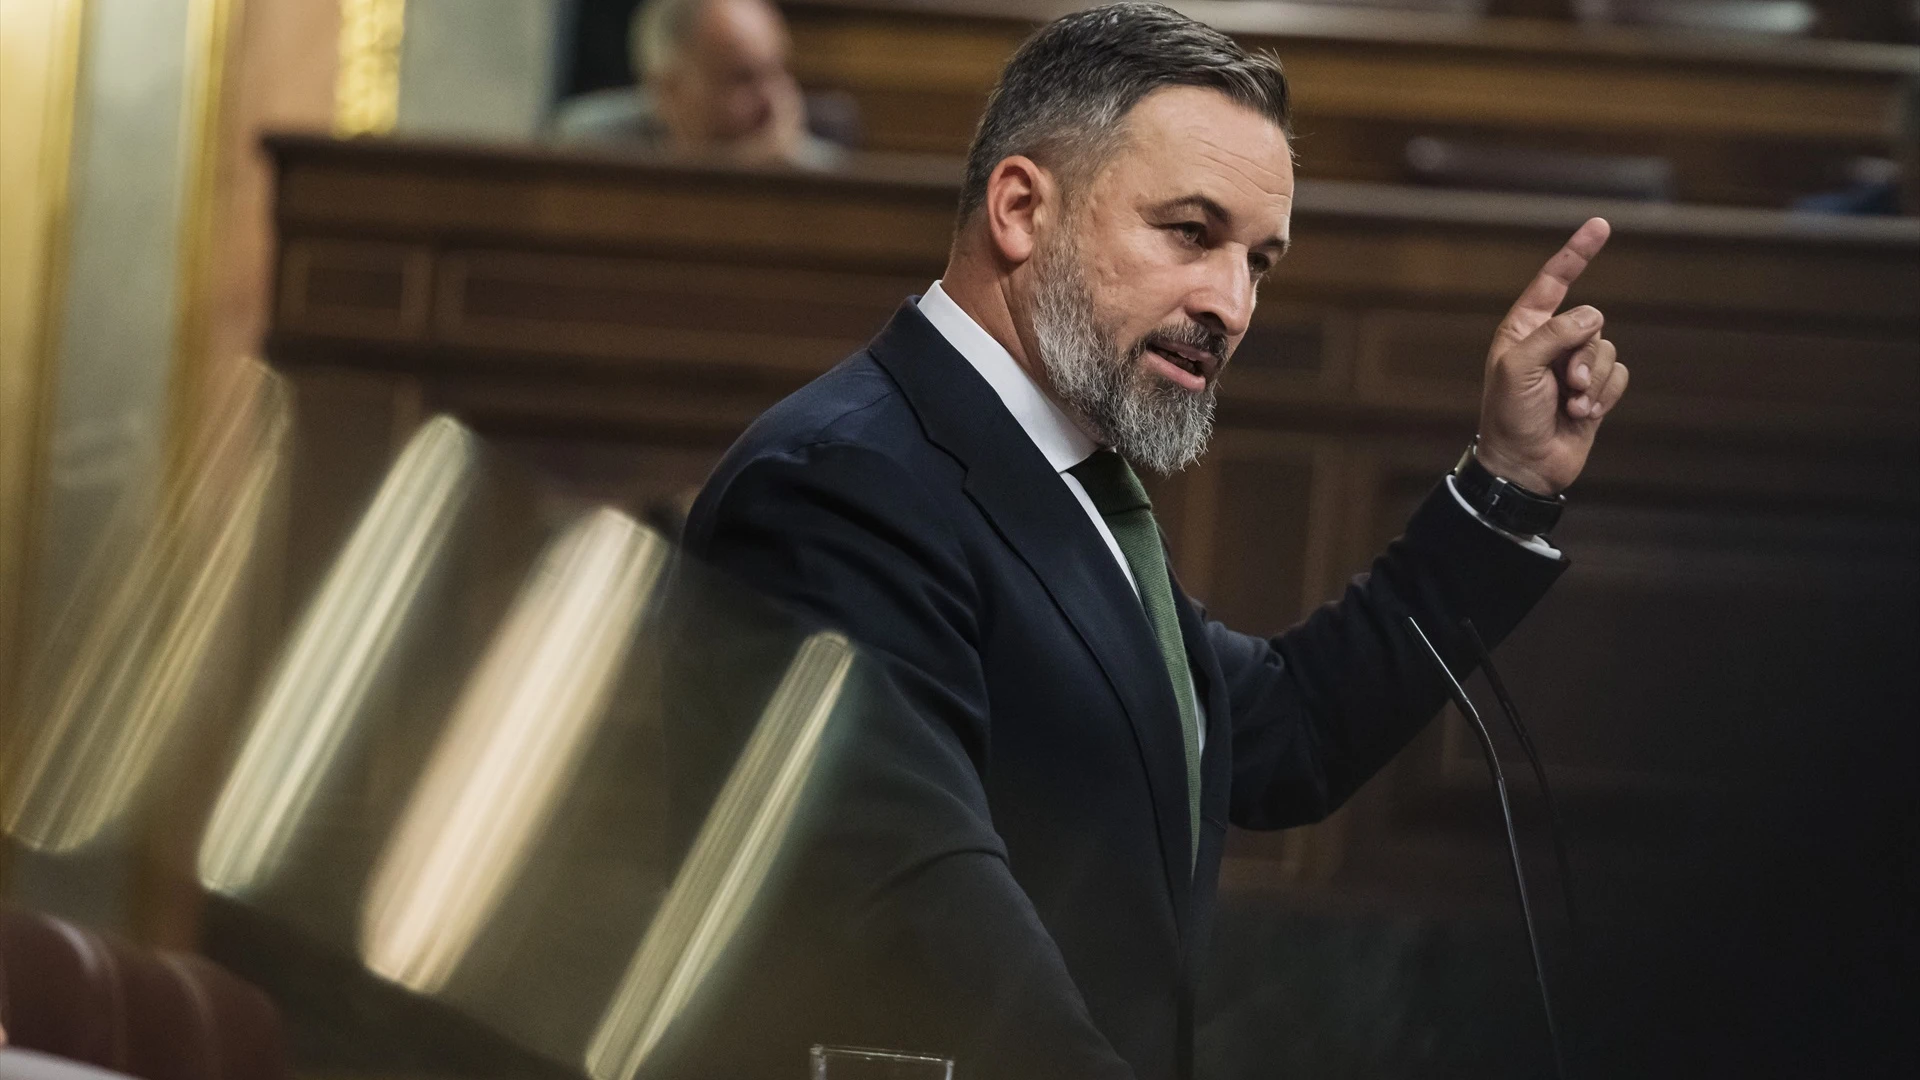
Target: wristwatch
[(1504, 504)]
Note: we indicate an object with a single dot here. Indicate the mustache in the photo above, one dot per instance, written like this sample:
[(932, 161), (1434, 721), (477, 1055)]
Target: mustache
[(1192, 335)]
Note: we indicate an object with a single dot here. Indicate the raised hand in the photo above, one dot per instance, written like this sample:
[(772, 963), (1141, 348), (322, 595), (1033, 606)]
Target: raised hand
[(1550, 378)]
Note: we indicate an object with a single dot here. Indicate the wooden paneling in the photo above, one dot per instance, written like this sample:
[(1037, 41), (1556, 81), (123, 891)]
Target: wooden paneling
[(1710, 633), (1730, 648), (362, 289), (1735, 378), (620, 321), (1745, 120), (1262, 593), (679, 312)]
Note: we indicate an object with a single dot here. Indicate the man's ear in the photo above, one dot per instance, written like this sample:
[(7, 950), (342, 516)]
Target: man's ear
[(1021, 199)]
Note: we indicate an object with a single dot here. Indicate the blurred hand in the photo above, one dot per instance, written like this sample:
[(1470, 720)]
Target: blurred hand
[(1550, 378), (780, 138)]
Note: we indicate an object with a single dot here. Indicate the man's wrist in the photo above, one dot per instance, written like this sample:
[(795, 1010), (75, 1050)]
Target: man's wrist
[(1537, 544), (1514, 472), (1504, 501)]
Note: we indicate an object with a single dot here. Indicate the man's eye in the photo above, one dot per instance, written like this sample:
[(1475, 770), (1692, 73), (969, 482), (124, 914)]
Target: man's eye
[(1259, 264), (1191, 231)]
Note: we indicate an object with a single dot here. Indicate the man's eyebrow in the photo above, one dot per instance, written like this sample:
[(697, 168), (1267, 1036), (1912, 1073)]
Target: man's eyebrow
[(1218, 213)]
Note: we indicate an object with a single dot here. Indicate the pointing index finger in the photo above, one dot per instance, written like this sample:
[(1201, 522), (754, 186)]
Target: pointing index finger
[(1548, 288)]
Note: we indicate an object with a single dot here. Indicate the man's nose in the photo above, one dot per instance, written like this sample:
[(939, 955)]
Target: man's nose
[(1224, 301)]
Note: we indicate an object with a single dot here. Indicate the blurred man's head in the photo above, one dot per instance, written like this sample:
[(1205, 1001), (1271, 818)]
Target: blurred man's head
[(1128, 187), (718, 69)]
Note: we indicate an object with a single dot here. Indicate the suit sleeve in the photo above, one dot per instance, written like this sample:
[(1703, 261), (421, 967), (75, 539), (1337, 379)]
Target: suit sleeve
[(1321, 707), (946, 949)]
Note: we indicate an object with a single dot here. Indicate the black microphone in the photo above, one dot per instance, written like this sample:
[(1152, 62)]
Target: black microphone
[(1554, 829), (1465, 704)]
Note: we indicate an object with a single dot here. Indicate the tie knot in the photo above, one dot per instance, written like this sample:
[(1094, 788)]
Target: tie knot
[(1111, 484)]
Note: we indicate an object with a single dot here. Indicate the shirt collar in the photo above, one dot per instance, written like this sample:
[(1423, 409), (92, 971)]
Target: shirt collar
[(1059, 439)]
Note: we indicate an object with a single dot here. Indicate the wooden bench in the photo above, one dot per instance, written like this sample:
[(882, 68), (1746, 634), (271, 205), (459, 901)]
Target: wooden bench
[(1744, 121)]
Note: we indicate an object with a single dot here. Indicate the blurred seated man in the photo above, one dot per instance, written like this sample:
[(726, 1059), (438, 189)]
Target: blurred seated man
[(714, 83)]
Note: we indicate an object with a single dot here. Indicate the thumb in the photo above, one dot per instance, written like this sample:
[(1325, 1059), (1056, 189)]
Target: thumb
[(1556, 337)]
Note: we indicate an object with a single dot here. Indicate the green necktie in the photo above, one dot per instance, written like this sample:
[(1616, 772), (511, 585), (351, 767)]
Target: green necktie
[(1122, 501)]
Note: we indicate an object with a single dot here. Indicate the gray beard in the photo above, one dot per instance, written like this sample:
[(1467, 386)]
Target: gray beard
[(1141, 416)]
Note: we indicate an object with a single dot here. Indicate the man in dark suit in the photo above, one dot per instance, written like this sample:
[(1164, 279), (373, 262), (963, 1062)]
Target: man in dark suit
[(1041, 823)]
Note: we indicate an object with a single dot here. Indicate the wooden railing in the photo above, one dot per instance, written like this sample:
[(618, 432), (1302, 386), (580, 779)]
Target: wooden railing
[(1745, 121)]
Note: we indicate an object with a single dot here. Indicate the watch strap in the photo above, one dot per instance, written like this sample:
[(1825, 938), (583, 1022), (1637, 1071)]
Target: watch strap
[(1504, 504)]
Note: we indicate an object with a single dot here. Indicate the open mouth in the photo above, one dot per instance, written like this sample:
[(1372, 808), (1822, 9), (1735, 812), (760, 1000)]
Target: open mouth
[(1196, 362)]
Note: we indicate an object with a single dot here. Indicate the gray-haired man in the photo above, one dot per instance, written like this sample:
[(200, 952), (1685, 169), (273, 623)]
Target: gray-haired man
[(714, 82), (1036, 840)]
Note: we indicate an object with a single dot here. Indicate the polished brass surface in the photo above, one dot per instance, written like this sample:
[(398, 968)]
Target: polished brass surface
[(447, 823), (320, 684), (210, 25), (99, 718), (511, 750), (41, 45), (728, 865)]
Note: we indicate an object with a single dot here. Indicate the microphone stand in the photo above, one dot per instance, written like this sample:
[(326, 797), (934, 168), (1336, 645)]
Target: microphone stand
[(1555, 830), (1465, 705)]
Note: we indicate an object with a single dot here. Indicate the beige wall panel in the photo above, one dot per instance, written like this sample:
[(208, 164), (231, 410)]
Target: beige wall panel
[(117, 334), (280, 77), (477, 68), (38, 39)]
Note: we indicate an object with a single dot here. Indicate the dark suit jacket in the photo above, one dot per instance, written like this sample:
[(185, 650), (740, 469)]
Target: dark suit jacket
[(1021, 822)]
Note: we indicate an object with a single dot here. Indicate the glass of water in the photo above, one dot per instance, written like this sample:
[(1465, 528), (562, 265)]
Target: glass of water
[(859, 1063)]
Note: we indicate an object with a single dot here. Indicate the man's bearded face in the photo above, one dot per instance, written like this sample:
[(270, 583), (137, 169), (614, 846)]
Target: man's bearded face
[(1144, 276), (1141, 415)]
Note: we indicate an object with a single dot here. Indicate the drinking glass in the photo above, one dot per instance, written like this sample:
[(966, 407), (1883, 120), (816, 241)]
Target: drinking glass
[(860, 1063)]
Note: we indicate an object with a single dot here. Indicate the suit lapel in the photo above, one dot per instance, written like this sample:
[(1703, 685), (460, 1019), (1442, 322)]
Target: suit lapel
[(1012, 484)]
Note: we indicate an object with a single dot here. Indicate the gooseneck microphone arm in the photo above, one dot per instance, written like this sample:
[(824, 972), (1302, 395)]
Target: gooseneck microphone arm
[(1465, 705), (1554, 829)]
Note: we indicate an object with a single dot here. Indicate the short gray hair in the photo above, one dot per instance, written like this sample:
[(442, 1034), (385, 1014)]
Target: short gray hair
[(659, 31), (1063, 96)]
